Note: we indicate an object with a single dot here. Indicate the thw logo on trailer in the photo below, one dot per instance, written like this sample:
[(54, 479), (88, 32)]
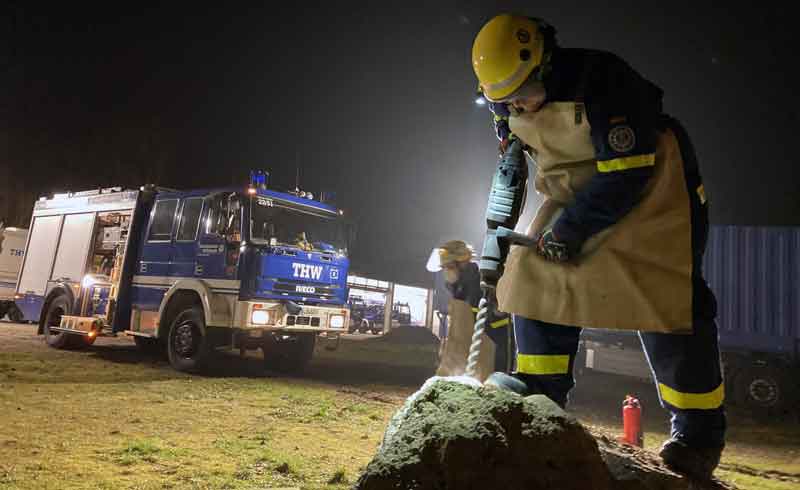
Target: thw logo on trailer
[(305, 271)]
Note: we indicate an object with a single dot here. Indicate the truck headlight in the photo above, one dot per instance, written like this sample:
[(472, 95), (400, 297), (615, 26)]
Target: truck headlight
[(337, 321), (260, 317)]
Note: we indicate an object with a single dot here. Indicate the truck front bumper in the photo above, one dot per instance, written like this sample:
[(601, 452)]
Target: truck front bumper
[(268, 316)]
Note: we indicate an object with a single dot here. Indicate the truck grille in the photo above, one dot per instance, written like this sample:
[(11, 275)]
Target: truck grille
[(303, 321)]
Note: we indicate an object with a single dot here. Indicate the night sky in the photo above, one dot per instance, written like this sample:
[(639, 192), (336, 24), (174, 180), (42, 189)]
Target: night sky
[(372, 102)]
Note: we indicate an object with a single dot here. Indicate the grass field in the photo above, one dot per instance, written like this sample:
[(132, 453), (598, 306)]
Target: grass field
[(113, 418)]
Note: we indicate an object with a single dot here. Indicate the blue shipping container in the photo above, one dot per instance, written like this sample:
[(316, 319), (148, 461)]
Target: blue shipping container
[(755, 275)]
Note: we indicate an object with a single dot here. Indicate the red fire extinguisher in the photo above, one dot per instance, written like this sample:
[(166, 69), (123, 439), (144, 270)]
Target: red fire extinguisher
[(632, 421)]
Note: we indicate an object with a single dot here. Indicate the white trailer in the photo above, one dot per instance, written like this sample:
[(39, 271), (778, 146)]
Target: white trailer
[(12, 250)]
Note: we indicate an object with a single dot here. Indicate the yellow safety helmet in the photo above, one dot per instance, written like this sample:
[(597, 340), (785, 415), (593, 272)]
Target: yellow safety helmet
[(449, 253), (506, 52)]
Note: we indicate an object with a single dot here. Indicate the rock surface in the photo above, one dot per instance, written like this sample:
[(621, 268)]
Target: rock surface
[(453, 434), (638, 469)]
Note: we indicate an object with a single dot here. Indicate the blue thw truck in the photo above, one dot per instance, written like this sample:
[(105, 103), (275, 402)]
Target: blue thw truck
[(754, 272), (188, 271)]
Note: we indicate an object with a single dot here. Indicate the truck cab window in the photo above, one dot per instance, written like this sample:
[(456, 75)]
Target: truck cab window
[(274, 224), (190, 218), (163, 217), (224, 217), (211, 225)]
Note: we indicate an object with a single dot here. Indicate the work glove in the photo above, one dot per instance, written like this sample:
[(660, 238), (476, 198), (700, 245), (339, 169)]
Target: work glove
[(549, 247)]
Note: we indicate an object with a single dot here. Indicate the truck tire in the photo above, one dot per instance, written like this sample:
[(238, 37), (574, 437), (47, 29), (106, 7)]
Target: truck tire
[(291, 354), (364, 326), (188, 345), (4, 305), (764, 390), (57, 307)]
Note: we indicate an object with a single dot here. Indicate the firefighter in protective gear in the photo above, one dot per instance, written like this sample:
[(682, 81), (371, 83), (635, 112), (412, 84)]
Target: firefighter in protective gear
[(455, 259), (621, 230)]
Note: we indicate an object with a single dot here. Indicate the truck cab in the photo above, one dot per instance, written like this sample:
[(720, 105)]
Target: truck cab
[(268, 269)]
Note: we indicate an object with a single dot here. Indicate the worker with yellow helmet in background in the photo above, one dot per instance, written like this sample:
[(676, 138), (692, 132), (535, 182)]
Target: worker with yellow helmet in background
[(455, 259), (620, 234)]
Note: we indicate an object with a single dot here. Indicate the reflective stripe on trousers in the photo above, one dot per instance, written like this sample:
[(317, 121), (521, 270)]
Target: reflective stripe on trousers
[(541, 364)]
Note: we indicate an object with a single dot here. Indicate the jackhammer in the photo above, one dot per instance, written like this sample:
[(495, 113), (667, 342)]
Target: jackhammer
[(506, 201)]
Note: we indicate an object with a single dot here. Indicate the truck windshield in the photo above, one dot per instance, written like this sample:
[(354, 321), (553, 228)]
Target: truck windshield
[(273, 223)]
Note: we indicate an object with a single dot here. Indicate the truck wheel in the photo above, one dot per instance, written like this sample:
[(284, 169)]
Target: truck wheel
[(291, 354), (3, 309), (765, 390), (14, 314), (364, 326), (56, 308), (188, 345)]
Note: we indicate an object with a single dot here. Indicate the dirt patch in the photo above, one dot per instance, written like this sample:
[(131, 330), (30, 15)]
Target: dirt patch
[(407, 334), (634, 468), (22, 337), (362, 363), (18, 337), (372, 395), (766, 474)]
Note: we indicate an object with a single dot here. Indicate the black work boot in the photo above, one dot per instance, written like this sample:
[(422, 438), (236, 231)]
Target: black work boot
[(697, 463), (509, 382)]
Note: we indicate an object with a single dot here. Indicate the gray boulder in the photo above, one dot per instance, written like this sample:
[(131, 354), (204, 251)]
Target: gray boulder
[(454, 434)]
